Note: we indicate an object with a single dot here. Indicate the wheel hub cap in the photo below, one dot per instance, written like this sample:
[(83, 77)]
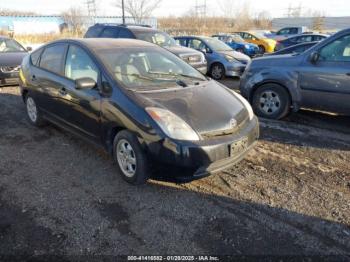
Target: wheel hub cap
[(126, 158), (270, 102)]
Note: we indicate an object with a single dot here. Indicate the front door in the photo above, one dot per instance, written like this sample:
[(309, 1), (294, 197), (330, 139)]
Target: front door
[(81, 107), (325, 84)]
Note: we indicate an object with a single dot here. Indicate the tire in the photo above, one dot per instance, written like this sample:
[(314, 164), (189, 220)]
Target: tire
[(34, 116), (217, 71), (131, 160), (262, 49), (271, 101)]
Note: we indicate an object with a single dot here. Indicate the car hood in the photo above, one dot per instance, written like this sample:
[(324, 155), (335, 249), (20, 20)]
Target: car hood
[(277, 60), (181, 50), (12, 59), (207, 108), (237, 55)]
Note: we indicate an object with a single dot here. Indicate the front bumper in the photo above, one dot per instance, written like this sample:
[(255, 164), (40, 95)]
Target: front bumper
[(205, 157), (235, 70)]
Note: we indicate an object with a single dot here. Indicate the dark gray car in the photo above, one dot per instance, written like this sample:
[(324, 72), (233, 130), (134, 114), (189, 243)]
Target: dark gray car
[(318, 78), (11, 56)]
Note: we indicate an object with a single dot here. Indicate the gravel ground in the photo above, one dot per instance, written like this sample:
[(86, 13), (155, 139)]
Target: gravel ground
[(61, 196)]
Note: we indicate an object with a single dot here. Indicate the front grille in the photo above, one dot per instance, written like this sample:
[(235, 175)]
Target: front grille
[(241, 118), (9, 69)]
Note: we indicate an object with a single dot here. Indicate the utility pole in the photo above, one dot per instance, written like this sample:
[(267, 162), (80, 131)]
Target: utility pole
[(123, 11), (91, 7)]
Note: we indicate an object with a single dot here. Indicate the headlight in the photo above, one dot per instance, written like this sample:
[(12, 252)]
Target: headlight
[(230, 59), (246, 105), (172, 125)]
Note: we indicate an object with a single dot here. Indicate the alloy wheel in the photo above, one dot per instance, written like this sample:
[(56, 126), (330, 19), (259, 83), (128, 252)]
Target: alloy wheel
[(32, 110), (126, 158)]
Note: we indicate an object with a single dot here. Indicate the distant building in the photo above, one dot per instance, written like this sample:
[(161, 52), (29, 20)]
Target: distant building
[(327, 23), (21, 25)]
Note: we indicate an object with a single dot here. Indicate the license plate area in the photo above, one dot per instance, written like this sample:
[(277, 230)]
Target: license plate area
[(238, 146)]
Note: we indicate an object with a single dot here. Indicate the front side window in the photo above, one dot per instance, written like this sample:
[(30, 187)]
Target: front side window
[(52, 58), (337, 51), (79, 64), (9, 46), (181, 41), (197, 44), (148, 68)]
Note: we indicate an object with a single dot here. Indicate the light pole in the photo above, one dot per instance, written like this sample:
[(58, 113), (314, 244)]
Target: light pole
[(123, 10)]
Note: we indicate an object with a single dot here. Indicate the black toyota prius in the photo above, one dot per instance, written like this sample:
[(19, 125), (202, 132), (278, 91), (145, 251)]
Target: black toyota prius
[(142, 103)]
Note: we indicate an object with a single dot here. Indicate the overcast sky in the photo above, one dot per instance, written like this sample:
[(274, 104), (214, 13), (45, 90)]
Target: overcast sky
[(276, 8)]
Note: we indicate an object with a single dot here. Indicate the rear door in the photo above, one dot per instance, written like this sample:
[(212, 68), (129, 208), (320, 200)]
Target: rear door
[(81, 107), (325, 84), (47, 78)]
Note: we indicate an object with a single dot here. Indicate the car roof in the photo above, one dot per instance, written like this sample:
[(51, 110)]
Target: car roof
[(134, 28), (107, 43)]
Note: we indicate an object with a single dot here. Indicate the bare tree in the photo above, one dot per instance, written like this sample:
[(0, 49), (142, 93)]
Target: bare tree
[(74, 21), (139, 9)]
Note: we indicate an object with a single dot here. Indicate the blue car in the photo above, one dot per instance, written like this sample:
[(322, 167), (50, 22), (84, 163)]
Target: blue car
[(222, 59), (237, 43)]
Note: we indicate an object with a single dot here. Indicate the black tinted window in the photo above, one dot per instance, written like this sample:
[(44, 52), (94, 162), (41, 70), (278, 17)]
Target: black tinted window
[(34, 57), (94, 31), (125, 33), (52, 58), (110, 32)]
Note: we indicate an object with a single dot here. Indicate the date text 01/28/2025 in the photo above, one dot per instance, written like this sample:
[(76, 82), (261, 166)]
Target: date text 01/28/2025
[(173, 258)]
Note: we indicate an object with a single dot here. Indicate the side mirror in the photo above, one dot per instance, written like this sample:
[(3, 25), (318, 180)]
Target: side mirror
[(29, 49), (85, 83), (314, 57)]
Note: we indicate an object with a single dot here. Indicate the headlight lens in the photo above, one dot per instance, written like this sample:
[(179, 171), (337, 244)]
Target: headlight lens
[(172, 125), (230, 58), (246, 105)]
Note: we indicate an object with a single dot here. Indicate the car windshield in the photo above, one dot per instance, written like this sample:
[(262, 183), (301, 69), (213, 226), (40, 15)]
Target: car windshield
[(159, 38), (217, 45), (9, 45), (143, 69)]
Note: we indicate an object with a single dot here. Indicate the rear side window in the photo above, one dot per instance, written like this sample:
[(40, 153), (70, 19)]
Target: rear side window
[(110, 32), (34, 57), (125, 33), (52, 58), (181, 41), (93, 31)]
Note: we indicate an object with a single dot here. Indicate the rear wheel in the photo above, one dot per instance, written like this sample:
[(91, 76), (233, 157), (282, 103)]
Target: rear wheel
[(217, 71), (271, 101), (131, 160), (33, 113)]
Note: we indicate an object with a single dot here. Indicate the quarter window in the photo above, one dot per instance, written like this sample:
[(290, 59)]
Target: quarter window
[(80, 65), (52, 58), (337, 51)]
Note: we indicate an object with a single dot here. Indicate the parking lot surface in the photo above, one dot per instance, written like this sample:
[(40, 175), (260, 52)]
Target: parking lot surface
[(62, 196)]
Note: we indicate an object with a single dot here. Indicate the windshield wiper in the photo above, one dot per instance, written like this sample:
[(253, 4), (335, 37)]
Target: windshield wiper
[(173, 74)]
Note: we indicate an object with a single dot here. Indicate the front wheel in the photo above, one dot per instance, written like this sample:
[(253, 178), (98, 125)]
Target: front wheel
[(271, 101), (130, 158), (217, 71)]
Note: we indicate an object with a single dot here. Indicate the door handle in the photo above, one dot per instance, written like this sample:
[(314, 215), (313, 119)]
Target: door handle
[(33, 78), (62, 91), (348, 74)]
